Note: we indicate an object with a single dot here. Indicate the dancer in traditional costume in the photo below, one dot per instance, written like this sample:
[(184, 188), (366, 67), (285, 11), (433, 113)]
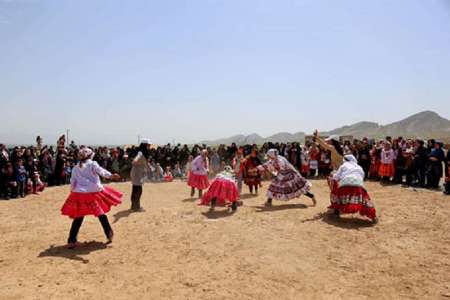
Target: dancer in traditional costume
[(387, 166), (222, 191), (348, 194), (252, 177), (198, 178), (287, 183), (89, 197)]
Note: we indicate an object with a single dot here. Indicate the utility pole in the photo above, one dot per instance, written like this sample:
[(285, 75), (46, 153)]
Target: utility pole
[(139, 139), (67, 136)]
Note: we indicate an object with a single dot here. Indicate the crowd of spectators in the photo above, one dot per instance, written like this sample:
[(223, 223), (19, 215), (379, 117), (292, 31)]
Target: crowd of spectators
[(25, 170)]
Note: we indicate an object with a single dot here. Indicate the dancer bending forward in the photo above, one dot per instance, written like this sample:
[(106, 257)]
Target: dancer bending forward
[(89, 197), (287, 183), (223, 191), (348, 194)]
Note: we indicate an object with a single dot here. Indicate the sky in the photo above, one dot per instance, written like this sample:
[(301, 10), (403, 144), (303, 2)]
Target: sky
[(190, 70)]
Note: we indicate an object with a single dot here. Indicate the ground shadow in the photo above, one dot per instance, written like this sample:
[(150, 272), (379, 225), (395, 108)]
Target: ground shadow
[(190, 199), (248, 196), (345, 221), (74, 254), (218, 214), (280, 207), (122, 214)]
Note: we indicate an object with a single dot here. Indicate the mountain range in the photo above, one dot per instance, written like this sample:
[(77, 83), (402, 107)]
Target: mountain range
[(426, 124)]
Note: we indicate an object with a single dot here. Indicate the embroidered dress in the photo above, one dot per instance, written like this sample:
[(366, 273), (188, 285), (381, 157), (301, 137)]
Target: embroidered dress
[(251, 173), (387, 168), (223, 188), (287, 183), (198, 178), (348, 194), (88, 196)]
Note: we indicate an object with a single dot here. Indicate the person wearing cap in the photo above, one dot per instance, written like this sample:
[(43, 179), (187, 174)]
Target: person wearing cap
[(198, 177), (89, 197), (331, 144), (287, 182), (139, 173), (348, 194)]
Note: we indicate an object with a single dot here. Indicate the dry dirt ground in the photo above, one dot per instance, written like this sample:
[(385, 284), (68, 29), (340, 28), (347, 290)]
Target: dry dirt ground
[(178, 250)]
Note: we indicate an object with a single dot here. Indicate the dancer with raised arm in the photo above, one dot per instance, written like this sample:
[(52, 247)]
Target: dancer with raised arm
[(89, 197)]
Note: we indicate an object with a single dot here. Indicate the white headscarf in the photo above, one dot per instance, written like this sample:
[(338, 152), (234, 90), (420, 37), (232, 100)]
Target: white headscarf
[(350, 171), (86, 153), (350, 158), (272, 153)]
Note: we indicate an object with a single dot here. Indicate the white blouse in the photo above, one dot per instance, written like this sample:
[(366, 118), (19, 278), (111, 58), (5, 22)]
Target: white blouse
[(87, 178)]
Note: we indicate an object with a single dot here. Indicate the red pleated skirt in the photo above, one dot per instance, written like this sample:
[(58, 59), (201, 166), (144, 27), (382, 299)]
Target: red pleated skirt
[(386, 170), (198, 181), (225, 191), (351, 200), (96, 204)]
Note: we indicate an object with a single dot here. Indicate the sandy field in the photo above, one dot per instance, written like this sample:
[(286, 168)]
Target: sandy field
[(178, 250)]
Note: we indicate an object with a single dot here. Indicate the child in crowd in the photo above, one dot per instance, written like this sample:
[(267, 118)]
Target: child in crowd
[(304, 158), (387, 169), (374, 162), (68, 171), (177, 172), (314, 155), (168, 177), (40, 186), (21, 178), (159, 173), (238, 168)]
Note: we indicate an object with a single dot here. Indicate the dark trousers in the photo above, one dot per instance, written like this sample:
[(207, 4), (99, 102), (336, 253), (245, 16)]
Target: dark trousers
[(447, 188), (76, 224), (365, 165), (21, 187), (136, 194), (251, 188)]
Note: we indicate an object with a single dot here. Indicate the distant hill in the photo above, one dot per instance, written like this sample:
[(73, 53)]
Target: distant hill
[(426, 124), (254, 138)]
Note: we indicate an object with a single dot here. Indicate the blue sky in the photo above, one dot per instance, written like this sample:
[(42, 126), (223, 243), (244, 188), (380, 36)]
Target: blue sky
[(193, 70)]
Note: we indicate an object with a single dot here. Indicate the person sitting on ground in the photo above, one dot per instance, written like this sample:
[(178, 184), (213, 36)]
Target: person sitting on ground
[(168, 177)]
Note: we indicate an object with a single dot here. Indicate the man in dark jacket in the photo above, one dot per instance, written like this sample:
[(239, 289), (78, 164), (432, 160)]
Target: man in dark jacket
[(447, 174), (420, 163)]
